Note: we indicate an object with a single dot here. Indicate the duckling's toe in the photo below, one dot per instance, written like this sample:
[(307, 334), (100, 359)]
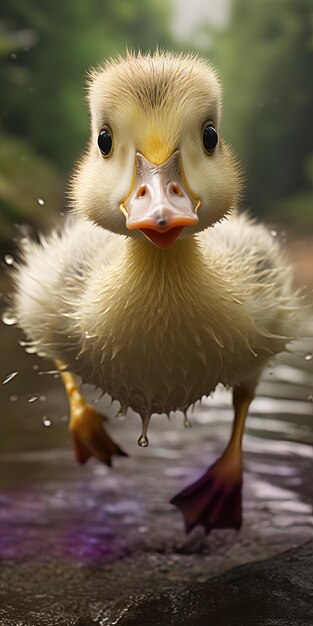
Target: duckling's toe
[(90, 437), (213, 501)]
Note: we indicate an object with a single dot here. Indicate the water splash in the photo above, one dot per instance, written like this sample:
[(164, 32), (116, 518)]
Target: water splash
[(143, 440), (8, 318), (9, 377)]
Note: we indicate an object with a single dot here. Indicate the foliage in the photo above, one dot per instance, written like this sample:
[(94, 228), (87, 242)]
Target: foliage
[(265, 59), (69, 37), (46, 49)]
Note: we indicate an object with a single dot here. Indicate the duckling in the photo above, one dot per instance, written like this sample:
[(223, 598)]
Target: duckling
[(157, 289)]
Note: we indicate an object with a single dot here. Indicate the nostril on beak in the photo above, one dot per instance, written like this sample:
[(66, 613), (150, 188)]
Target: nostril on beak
[(175, 188), (161, 221), (141, 191)]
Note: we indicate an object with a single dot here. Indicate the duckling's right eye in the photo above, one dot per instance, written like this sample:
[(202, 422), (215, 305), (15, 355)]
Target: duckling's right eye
[(105, 142)]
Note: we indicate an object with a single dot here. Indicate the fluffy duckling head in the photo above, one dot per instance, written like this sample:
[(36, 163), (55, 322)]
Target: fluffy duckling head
[(156, 165)]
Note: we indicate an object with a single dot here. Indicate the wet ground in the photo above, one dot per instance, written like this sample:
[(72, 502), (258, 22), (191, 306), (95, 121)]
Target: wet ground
[(77, 540)]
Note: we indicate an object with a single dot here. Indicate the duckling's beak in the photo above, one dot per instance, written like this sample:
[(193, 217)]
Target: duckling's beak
[(160, 203)]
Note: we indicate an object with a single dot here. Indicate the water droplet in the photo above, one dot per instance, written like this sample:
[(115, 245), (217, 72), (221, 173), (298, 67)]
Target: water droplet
[(187, 422), (42, 398), (36, 368), (143, 440), (308, 356), (62, 213), (273, 233), (64, 418), (46, 422), (9, 259), (13, 56), (31, 349), (32, 399), (89, 335), (40, 201), (50, 372), (13, 398), (8, 318), (9, 377)]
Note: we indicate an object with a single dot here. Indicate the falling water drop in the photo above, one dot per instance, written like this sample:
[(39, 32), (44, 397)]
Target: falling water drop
[(42, 398), (274, 233), (8, 318), (13, 398), (308, 356), (40, 201), (32, 399), (46, 422), (9, 377), (36, 367), (187, 423), (143, 440), (9, 259)]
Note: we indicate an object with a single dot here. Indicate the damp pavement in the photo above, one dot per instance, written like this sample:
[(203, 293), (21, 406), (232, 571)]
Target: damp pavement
[(91, 545)]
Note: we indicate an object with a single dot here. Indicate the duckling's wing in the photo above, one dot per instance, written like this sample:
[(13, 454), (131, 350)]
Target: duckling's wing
[(53, 276), (245, 249), (252, 262)]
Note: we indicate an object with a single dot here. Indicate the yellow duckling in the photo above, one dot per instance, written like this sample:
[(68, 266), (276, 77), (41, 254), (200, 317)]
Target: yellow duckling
[(149, 293)]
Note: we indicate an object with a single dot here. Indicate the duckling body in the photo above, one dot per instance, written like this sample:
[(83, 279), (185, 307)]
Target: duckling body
[(158, 289), (157, 329)]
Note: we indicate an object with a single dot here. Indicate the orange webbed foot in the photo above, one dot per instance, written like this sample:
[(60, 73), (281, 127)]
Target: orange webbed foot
[(213, 501), (90, 437)]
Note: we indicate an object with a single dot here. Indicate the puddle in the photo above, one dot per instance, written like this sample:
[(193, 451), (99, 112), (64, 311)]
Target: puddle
[(69, 531)]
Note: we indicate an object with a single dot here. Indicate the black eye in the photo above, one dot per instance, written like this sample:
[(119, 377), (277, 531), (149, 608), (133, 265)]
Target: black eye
[(105, 141), (210, 138)]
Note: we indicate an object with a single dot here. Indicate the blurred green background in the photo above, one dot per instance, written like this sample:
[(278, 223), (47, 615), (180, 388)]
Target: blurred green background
[(261, 48)]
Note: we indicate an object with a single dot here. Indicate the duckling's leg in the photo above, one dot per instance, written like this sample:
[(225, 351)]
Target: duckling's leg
[(214, 501), (86, 425)]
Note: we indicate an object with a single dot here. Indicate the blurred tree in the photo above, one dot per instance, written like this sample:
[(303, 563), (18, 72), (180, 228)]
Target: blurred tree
[(265, 59), (46, 49), (46, 105)]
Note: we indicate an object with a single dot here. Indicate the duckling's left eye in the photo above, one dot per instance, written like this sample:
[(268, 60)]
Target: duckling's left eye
[(105, 141), (210, 138)]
